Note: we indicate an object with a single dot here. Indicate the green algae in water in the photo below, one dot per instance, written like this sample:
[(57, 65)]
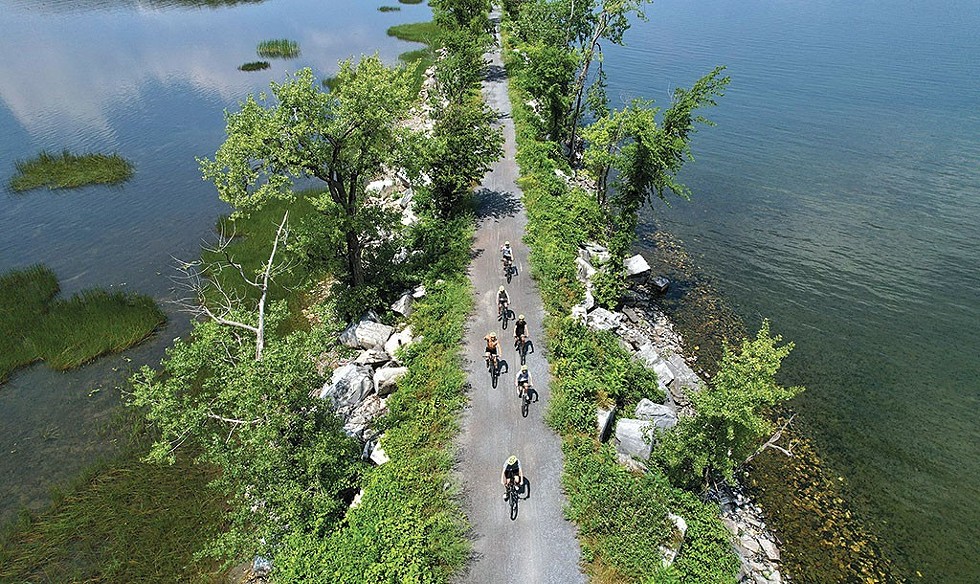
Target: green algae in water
[(67, 170), (278, 49), (389, 8)]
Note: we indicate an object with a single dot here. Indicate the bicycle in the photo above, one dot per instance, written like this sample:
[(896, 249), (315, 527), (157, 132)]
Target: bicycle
[(512, 497), (504, 314), (526, 400), (494, 370), (524, 346), (510, 270)]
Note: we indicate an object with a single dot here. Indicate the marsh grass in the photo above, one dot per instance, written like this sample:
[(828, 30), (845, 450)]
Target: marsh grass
[(278, 49), (254, 66), (389, 8), (416, 32), (250, 246), (410, 1), (66, 333), (121, 521), (66, 171)]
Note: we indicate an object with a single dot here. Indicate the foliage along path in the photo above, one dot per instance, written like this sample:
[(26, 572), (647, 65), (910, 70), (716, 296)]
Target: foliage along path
[(539, 545)]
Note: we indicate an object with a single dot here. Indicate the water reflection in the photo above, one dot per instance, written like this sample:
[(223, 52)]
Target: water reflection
[(149, 83)]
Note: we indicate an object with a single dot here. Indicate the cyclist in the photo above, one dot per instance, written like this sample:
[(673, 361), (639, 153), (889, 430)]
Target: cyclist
[(492, 348), (522, 381), (506, 254), (520, 330), (502, 300), (511, 473)]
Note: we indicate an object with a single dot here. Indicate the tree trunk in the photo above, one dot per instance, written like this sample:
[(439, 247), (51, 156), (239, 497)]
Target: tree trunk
[(354, 252)]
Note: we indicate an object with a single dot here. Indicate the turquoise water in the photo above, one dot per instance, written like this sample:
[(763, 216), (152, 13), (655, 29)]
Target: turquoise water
[(839, 196), (149, 80)]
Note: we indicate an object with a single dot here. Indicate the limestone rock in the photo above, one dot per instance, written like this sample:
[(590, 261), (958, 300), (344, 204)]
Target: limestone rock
[(378, 455), (372, 357), (379, 185), (358, 424), (366, 333), (584, 270), (631, 438), (406, 199), (673, 546), (403, 305), (419, 292), (605, 417), (663, 417), (398, 340), (636, 266), (772, 552), (348, 386), (386, 378), (594, 254), (604, 320)]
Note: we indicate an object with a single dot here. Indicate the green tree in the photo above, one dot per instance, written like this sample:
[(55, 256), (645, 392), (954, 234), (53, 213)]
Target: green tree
[(463, 147), (283, 456), (633, 159), (731, 420), (462, 66), (343, 138)]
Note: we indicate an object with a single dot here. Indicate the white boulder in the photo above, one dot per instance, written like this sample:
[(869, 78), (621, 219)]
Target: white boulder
[(386, 379), (403, 305), (604, 421), (636, 266), (632, 438), (348, 386), (378, 455), (366, 334), (398, 340), (663, 417), (603, 320), (584, 270), (372, 357)]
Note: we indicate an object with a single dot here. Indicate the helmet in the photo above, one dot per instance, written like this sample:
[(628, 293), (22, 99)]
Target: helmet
[(523, 367), (512, 460), (520, 317), (507, 243), (493, 335), (501, 289)]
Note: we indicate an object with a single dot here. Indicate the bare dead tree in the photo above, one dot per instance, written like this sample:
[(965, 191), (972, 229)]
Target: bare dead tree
[(771, 442), (204, 296)]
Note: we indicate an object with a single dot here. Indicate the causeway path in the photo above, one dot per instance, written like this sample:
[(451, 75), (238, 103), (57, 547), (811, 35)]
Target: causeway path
[(540, 545)]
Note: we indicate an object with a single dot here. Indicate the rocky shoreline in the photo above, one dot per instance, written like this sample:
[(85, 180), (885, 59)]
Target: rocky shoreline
[(648, 334)]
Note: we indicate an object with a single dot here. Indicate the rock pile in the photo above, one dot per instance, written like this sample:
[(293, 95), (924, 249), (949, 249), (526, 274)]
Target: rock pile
[(647, 334)]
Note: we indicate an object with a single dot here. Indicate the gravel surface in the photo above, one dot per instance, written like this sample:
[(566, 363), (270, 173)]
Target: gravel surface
[(539, 546)]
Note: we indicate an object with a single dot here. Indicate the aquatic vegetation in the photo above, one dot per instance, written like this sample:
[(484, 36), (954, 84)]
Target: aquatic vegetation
[(389, 8), (409, 1), (254, 66), (67, 171), (416, 32), (66, 333), (278, 49)]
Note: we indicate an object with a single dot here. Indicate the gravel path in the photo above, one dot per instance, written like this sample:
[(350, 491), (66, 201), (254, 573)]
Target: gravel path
[(539, 546)]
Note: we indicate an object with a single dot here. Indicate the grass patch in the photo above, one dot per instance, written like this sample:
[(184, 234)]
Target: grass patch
[(250, 246), (67, 171), (123, 521), (416, 32), (278, 49), (389, 8), (69, 332), (254, 66)]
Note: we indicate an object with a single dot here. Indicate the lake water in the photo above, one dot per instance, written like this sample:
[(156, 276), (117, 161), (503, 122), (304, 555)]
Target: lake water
[(839, 196), (149, 80)]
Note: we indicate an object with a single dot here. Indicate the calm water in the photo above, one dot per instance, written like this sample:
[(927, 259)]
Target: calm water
[(839, 196), (148, 80)]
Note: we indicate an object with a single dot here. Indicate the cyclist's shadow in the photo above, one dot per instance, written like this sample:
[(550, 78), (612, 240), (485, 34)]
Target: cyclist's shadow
[(533, 394), (502, 366), (524, 489)]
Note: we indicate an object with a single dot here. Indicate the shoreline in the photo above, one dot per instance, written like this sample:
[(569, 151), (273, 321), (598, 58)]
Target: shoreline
[(806, 502)]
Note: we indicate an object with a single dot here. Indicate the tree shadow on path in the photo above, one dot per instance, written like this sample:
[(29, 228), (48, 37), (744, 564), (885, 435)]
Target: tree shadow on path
[(495, 204)]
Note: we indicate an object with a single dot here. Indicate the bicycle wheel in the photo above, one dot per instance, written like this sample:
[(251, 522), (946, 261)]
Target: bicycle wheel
[(512, 489), (494, 374), (524, 353), (525, 403)]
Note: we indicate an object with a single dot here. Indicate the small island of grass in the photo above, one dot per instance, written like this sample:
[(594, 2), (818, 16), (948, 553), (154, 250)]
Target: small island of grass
[(254, 66), (66, 171), (389, 8), (66, 333), (278, 49), (409, 1)]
